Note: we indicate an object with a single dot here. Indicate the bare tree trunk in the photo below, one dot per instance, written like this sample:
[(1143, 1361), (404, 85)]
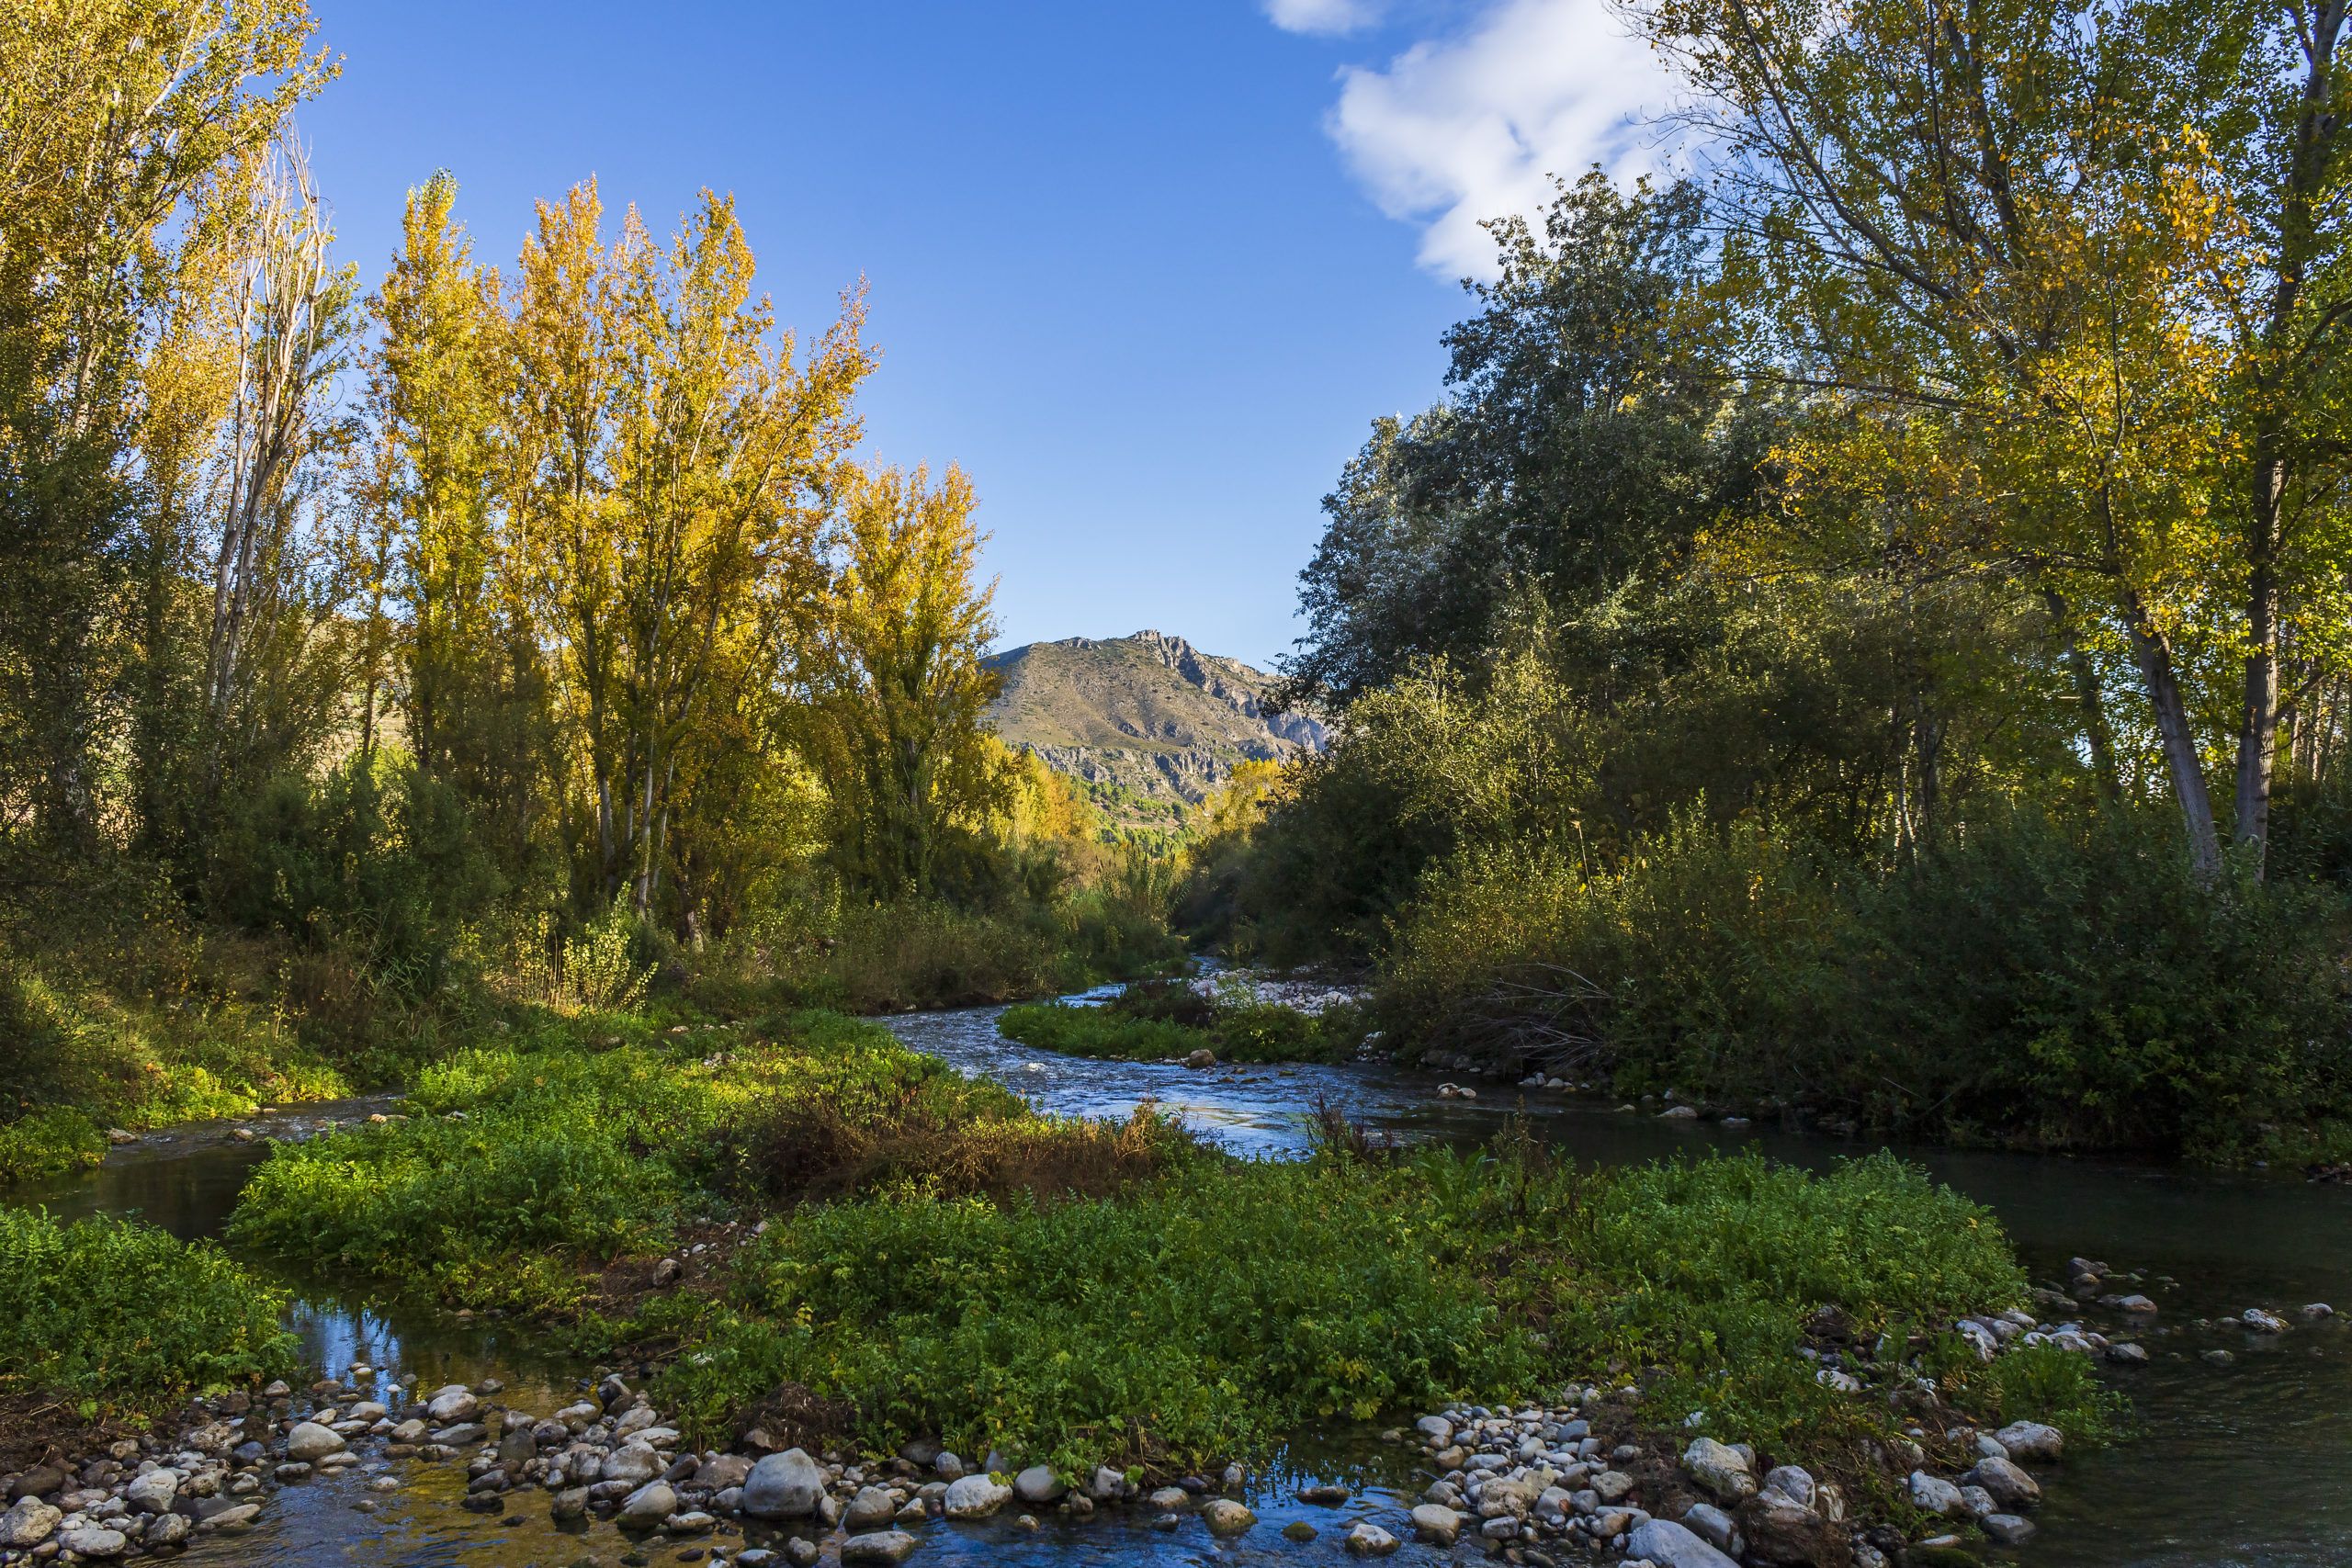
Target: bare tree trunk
[(2154, 655)]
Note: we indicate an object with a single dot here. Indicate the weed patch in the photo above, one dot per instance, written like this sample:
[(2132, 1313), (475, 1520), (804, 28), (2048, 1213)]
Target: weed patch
[(1170, 1019), (110, 1314), (527, 1166), (1208, 1312)]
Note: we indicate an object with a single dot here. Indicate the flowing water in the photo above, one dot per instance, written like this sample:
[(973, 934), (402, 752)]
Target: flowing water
[(2247, 1466)]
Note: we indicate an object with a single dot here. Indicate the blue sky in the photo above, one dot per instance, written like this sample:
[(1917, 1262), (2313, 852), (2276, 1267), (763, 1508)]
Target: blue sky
[(1146, 268)]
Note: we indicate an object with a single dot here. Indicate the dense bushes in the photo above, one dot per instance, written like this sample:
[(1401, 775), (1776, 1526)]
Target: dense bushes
[(48, 1142), (380, 861), (2017, 982), (113, 1314), (77, 1054)]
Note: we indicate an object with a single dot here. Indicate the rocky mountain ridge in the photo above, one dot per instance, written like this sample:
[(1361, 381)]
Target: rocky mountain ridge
[(1149, 713)]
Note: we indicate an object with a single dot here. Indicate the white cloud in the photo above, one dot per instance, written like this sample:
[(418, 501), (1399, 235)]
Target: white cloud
[(1326, 16), (1458, 130)]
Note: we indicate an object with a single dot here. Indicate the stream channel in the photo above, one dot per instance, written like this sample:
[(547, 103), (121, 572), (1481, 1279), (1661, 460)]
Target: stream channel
[(2247, 1466)]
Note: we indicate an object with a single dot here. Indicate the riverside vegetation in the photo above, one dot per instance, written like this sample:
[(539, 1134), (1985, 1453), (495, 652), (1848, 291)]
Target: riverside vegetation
[(1751, 682), (1177, 1019), (927, 1240), (1754, 678)]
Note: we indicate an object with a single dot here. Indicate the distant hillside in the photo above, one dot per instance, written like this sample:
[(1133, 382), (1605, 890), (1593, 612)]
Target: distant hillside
[(1145, 714)]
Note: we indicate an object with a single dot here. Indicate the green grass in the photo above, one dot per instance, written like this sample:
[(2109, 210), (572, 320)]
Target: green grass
[(79, 1056), (1208, 1314), (1148, 1026), (943, 1261), (566, 1158), (124, 1316), (1098, 1032)]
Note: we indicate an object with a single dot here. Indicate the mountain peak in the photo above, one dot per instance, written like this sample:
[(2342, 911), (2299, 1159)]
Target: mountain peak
[(1150, 712)]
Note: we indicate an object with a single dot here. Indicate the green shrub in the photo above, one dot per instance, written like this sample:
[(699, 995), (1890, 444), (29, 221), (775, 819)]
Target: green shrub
[(74, 1047), (377, 861), (1099, 1032), (48, 1142), (2019, 983), (2087, 991), (890, 958), (932, 953), (116, 1315), (2042, 1382)]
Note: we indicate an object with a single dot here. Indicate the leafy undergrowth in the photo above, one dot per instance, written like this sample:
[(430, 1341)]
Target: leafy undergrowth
[(88, 1059), (111, 1315), (941, 1260), (1170, 1019), (916, 953), (525, 1166), (1209, 1312)]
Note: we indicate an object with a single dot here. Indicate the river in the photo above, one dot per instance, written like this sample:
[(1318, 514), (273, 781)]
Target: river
[(2237, 1466)]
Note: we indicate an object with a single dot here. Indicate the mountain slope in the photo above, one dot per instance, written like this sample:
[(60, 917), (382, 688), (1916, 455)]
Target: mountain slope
[(1150, 713)]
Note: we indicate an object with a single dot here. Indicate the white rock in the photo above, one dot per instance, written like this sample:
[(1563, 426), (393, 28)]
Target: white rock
[(154, 1492), (1711, 1525), (1226, 1518), (29, 1523), (452, 1404), (1368, 1541), (1719, 1470), (94, 1543), (1436, 1522), (648, 1505), (1038, 1483), (879, 1546), (1792, 1482), (2006, 1529), (2009, 1486), (975, 1498), (631, 1463)]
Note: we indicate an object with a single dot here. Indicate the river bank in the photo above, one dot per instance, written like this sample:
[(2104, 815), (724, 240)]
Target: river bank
[(1258, 1110)]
